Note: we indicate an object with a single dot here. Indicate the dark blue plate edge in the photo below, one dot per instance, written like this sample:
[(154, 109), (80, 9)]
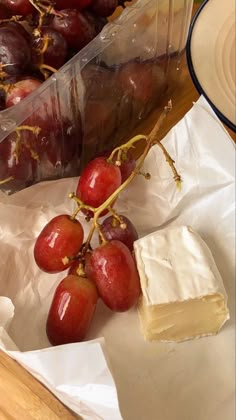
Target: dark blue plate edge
[(193, 74)]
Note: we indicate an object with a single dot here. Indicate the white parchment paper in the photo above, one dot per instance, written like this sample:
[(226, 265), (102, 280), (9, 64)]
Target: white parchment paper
[(194, 380)]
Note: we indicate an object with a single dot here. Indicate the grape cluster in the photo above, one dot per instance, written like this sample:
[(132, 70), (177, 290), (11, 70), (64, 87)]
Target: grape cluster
[(109, 270)]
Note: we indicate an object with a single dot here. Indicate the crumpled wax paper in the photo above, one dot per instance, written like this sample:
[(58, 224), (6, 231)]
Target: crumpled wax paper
[(190, 380)]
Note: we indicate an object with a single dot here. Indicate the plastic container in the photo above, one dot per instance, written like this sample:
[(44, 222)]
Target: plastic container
[(97, 98)]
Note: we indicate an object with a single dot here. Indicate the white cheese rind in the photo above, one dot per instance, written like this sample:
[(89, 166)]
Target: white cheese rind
[(178, 273), (175, 265)]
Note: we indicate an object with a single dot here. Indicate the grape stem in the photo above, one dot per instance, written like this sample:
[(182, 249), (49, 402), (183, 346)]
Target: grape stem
[(4, 181), (46, 42), (34, 3), (6, 87), (3, 74), (12, 19), (151, 140), (117, 217), (44, 9), (128, 145), (81, 206), (35, 129), (46, 67), (171, 162)]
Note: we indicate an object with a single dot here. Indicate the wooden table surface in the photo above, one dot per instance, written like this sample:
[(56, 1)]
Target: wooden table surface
[(21, 396)]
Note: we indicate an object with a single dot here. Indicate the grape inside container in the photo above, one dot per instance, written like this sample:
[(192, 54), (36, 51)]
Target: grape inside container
[(98, 97)]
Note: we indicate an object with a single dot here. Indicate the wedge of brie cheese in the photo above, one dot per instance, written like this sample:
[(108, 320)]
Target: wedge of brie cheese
[(183, 295)]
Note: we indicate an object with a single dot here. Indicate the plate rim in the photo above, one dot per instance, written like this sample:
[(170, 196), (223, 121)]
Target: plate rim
[(193, 75)]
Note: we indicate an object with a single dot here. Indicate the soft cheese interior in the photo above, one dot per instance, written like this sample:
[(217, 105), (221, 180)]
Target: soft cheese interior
[(183, 295)]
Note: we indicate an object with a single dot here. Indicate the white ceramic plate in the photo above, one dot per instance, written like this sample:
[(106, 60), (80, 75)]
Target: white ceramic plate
[(211, 56)]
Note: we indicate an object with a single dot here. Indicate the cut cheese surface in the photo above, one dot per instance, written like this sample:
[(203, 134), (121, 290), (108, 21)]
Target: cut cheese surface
[(183, 295)]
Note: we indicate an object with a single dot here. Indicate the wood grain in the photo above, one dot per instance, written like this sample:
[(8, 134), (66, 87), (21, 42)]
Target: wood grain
[(21, 396), (24, 398)]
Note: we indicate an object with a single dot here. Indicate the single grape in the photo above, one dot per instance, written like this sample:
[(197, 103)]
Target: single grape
[(56, 52), (19, 7), (98, 181), (75, 28), (20, 90), (16, 158), (15, 54), (114, 272), (61, 237), (71, 311), (104, 8), (136, 80), (125, 232)]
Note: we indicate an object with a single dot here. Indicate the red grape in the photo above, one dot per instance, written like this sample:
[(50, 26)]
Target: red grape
[(136, 79), (56, 52), (20, 90), (71, 310), (19, 7), (98, 181), (114, 272), (61, 237), (75, 28), (104, 8), (15, 54), (17, 160), (112, 229)]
